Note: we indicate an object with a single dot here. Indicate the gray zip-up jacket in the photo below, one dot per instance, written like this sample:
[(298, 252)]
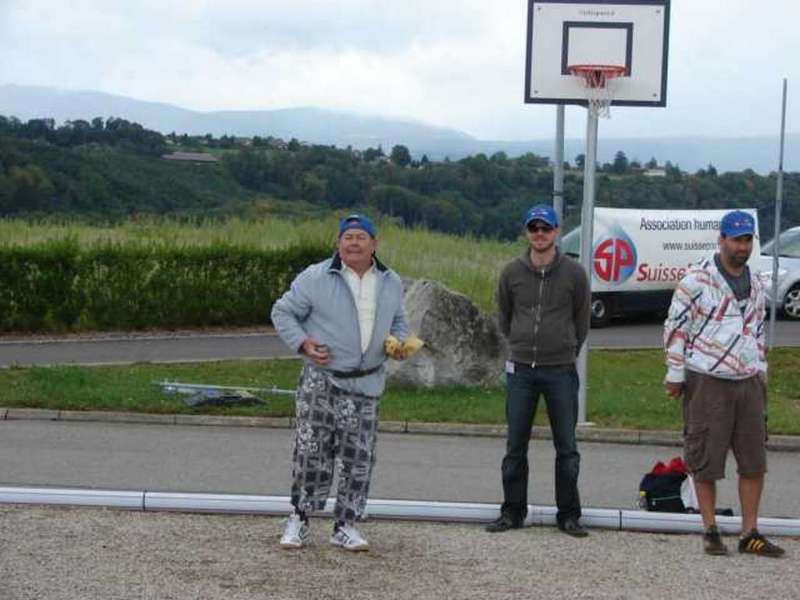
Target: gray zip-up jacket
[(320, 305), (544, 311)]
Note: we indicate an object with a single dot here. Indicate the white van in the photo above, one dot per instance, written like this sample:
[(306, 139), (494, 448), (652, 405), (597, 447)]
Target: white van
[(639, 256)]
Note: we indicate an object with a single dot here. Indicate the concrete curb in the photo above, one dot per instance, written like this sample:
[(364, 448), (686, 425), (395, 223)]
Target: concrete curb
[(108, 417), (32, 414), (220, 420), (100, 337), (785, 443)]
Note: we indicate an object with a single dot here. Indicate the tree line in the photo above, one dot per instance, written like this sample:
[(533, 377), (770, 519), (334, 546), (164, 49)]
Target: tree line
[(112, 168)]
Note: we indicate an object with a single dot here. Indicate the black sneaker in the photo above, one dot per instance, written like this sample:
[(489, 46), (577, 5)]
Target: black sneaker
[(712, 542), (573, 528), (755, 543), (503, 523)]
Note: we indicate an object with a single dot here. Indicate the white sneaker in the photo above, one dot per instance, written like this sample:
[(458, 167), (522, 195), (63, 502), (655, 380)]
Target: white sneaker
[(349, 538), (296, 533)]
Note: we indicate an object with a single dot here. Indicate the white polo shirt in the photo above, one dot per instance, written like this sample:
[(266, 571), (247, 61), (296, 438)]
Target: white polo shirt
[(363, 289)]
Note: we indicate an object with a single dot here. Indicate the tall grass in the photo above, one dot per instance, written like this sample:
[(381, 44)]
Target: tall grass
[(462, 263)]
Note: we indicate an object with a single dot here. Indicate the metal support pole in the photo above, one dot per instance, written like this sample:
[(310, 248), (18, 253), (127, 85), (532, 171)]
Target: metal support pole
[(587, 228), (558, 168), (775, 244)]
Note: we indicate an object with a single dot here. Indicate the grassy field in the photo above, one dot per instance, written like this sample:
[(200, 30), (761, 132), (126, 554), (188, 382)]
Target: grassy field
[(464, 264), (624, 391)]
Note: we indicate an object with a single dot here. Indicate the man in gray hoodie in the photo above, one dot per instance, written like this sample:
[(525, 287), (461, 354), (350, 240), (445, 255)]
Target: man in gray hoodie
[(544, 301), (337, 315)]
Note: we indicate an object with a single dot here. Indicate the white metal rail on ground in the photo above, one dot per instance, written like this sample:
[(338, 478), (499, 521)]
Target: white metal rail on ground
[(416, 510)]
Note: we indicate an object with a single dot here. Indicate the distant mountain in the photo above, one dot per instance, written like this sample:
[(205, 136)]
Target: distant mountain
[(342, 129), (313, 125)]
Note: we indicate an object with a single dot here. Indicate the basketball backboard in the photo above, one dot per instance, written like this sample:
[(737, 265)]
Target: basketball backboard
[(629, 33)]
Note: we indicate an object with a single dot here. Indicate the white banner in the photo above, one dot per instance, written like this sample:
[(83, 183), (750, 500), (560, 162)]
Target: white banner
[(641, 250)]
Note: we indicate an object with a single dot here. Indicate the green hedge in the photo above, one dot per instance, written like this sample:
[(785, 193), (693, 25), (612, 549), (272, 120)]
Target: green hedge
[(58, 286)]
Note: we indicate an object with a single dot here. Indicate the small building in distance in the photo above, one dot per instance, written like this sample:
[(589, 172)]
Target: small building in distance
[(198, 157)]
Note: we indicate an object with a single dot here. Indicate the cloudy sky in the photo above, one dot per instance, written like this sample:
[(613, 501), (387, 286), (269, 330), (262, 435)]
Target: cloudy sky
[(454, 63)]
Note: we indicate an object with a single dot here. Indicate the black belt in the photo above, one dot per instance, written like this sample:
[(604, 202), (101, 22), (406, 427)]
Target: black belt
[(354, 374)]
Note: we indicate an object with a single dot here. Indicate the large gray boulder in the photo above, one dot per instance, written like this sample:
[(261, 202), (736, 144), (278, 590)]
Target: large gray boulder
[(463, 345)]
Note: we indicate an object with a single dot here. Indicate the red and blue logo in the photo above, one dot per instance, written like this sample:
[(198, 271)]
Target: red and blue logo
[(614, 257)]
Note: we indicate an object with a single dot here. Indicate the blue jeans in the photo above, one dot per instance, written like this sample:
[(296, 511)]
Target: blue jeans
[(559, 386)]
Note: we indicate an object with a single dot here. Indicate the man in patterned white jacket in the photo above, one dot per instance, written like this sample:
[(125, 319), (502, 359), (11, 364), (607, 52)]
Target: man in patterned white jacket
[(337, 315), (716, 359)]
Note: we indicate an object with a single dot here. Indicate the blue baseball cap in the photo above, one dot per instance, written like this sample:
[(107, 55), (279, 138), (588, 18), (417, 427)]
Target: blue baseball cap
[(541, 212), (357, 222), (737, 223)]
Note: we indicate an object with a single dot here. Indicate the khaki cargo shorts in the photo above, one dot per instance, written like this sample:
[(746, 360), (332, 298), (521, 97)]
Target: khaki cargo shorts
[(719, 414)]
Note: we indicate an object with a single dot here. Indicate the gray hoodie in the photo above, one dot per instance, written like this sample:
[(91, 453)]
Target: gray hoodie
[(320, 305), (544, 311)]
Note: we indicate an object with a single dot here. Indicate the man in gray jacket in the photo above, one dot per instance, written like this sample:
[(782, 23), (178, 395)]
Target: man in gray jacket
[(544, 300), (337, 315)]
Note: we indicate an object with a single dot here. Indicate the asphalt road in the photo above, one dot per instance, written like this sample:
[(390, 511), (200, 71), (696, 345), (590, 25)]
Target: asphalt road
[(410, 466), (122, 349)]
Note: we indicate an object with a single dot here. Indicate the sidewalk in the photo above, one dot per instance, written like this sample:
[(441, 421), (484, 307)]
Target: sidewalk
[(415, 461), (788, 443)]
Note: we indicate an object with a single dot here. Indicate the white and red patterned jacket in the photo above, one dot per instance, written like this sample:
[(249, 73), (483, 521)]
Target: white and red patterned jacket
[(706, 331)]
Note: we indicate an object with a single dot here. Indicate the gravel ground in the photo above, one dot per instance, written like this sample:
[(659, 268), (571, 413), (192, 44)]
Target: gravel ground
[(51, 553)]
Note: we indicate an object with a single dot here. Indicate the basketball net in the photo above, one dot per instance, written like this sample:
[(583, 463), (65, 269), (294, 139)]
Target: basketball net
[(599, 82)]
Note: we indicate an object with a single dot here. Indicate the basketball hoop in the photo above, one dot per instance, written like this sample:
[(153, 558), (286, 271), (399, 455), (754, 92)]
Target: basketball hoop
[(599, 82)]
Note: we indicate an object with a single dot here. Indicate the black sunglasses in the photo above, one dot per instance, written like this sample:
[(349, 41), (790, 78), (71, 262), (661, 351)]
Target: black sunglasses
[(533, 228)]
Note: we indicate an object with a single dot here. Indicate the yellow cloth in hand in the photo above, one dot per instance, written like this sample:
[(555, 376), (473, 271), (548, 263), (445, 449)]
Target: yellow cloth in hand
[(401, 350)]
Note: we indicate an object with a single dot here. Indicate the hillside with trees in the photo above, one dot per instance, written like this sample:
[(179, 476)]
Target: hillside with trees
[(113, 169)]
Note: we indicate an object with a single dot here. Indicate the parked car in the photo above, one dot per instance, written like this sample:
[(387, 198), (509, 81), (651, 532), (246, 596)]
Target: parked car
[(788, 293)]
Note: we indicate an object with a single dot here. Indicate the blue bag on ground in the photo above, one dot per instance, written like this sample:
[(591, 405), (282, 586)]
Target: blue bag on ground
[(660, 489)]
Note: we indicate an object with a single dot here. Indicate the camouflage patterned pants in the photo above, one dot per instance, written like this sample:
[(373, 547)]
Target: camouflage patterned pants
[(334, 428)]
